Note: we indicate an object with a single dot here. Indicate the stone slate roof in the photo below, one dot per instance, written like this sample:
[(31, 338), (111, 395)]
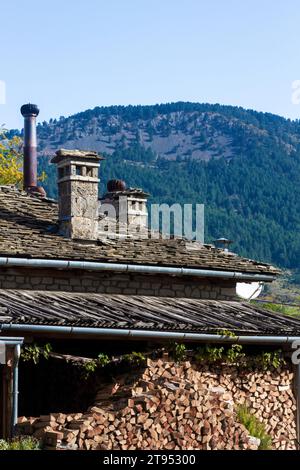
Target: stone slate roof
[(81, 154), (140, 312), (28, 229), (136, 192)]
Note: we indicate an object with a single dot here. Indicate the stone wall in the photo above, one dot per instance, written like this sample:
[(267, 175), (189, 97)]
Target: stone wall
[(177, 406), (116, 283)]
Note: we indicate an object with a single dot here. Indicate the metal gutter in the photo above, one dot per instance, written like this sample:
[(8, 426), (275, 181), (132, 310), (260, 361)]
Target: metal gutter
[(146, 334), (132, 268)]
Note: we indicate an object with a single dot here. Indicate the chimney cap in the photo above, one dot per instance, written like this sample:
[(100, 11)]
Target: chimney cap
[(30, 110), (62, 154), (114, 186), (223, 240), (223, 243)]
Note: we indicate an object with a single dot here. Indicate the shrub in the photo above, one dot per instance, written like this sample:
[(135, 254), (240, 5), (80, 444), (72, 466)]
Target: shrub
[(20, 443), (135, 358), (180, 352), (235, 354), (209, 353), (103, 359), (254, 427)]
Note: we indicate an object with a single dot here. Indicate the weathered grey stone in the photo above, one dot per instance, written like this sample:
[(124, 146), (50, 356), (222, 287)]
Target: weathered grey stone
[(129, 291), (254, 441), (78, 194), (75, 154), (145, 292), (113, 290), (188, 291), (9, 285)]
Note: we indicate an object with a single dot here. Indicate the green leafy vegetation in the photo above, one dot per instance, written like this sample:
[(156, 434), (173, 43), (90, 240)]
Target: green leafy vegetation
[(88, 368), (91, 366), (179, 351), (273, 359), (254, 427), (35, 352), (235, 354), (283, 309), (209, 353), (10, 159), (227, 333), (135, 358), (103, 359), (20, 443)]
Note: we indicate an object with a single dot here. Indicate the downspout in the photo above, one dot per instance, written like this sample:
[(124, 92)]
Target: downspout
[(132, 268), (298, 403), (15, 391)]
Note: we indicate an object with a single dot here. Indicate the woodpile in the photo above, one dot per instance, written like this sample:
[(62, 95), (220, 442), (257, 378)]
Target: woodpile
[(270, 397), (175, 406)]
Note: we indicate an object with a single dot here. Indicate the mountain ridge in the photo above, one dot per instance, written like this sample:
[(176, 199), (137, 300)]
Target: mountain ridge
[(163, 128), (242, 164)]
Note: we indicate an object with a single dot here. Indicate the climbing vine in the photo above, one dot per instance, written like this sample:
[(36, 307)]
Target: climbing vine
[(135, 358), (207, 354), (34, 352), (227, 333), (236, 355), (273, 359), (178, 351)]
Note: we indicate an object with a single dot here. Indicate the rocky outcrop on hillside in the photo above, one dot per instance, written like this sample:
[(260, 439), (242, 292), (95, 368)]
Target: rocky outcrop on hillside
[(172, 131)]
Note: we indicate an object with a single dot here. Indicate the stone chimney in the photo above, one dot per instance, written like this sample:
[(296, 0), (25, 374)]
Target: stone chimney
[(78, 193), (129, 205)]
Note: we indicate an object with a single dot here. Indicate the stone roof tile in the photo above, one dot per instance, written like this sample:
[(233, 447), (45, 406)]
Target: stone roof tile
[(28, 228)]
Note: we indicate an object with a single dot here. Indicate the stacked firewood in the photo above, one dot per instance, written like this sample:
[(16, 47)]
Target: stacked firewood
[(169, 407), (268, 394)]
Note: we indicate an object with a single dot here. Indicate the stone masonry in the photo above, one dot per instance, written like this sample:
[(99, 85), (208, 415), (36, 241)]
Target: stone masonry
[(116, 283)]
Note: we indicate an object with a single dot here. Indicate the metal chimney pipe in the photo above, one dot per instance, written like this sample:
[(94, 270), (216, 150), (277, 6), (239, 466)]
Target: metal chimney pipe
[(30, 113)]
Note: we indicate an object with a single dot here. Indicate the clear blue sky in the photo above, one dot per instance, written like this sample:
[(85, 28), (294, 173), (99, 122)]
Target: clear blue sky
[(71, 55)]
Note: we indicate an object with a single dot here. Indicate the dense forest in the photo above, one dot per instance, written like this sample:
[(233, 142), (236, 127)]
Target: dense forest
[(243, 165)]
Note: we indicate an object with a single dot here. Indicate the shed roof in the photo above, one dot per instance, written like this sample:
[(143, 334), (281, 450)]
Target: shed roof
[(141, 313)]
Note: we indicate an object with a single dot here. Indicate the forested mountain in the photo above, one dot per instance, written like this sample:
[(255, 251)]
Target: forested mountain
[(243, 165)]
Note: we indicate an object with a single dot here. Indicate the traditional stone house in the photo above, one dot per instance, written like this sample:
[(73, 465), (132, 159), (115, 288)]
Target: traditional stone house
[(62, 279)]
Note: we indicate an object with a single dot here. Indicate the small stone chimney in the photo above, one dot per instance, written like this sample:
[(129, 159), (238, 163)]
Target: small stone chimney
[(78, 193), (129, 204), (223, 244)]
